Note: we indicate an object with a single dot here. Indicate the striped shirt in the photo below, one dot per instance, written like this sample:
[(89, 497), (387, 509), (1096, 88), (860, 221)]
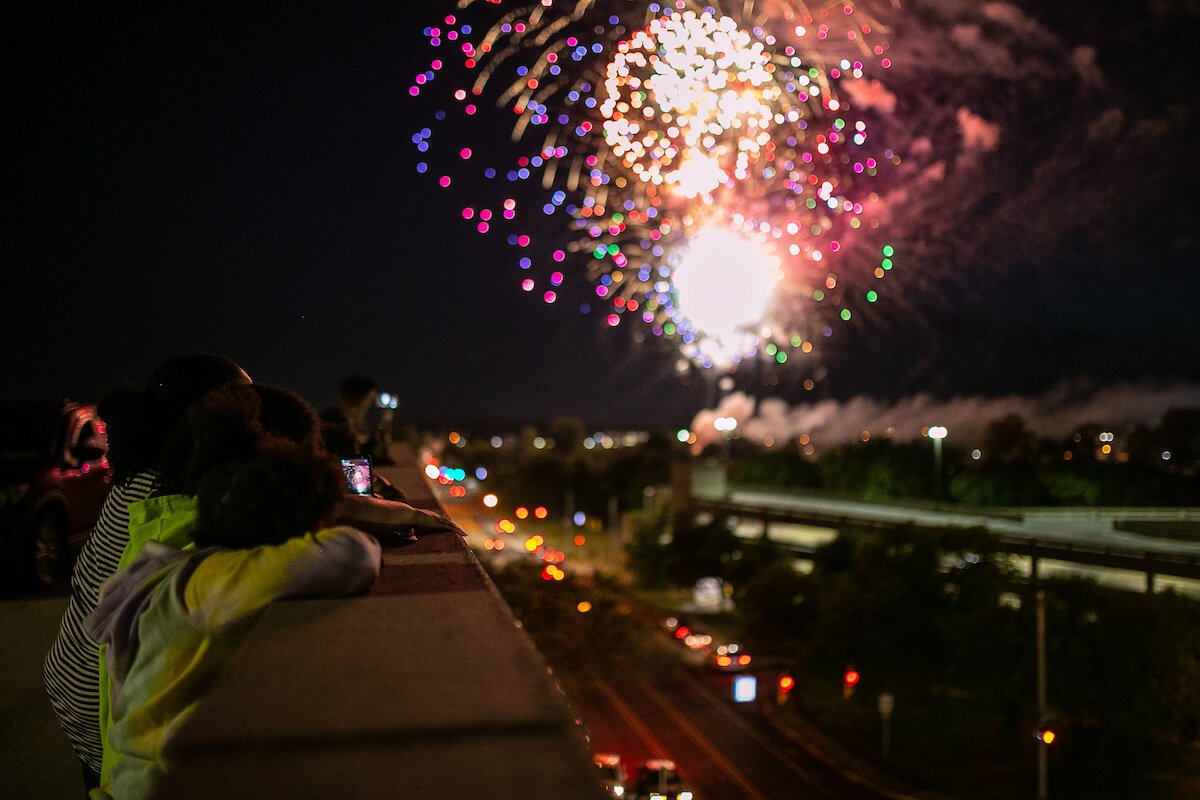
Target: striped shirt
[(72, 668)]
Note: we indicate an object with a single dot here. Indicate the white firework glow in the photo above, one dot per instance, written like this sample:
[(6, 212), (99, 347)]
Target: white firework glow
[(724, 283)]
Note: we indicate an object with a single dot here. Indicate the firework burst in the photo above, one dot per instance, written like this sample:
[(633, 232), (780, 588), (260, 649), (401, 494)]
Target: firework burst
[(700, 166)]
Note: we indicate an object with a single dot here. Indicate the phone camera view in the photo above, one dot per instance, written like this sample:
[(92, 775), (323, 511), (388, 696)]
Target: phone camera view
[(358, 474)]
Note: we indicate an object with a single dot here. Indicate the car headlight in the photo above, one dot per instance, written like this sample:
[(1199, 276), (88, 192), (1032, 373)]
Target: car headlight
[(618, 790), (685, 796)]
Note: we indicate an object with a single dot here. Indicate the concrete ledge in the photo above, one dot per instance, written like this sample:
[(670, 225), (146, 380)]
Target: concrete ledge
[(424, 688), (489, 764)]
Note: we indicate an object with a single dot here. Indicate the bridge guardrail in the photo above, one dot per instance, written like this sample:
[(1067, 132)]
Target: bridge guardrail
[(1113, 556)]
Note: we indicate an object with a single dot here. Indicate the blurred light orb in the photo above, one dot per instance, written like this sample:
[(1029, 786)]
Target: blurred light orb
[(699, 175), (724, 282), (689, 100)]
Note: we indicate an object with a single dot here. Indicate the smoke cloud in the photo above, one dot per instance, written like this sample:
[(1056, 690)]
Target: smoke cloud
[(1058, 412)]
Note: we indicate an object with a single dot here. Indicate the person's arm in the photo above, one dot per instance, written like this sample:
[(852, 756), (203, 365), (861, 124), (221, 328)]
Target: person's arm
[(381, 487), (377, 511), (231, 585)]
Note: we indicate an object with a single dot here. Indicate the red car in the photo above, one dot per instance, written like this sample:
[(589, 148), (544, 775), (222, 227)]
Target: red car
[(54, 476)]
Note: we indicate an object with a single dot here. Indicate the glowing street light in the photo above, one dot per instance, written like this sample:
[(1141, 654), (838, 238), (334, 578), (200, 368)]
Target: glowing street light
[(937, 433), (725, 424)]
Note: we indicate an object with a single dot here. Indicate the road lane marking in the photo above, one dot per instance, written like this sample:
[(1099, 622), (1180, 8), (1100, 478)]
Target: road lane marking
[(762, 741), (654, 745), (807, 746), (726, 766)]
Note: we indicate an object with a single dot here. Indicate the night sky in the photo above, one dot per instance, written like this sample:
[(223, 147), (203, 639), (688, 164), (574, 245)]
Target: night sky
[(242, 180)]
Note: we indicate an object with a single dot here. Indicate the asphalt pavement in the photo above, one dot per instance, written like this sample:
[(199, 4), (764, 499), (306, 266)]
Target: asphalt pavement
[(36, 760), (723, 750)]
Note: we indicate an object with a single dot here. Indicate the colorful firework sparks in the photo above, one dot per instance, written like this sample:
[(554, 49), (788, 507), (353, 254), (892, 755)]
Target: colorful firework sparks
[(701, 168)]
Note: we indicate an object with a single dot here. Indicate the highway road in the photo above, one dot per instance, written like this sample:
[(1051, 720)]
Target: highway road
[(723, 750), (1094, 527)]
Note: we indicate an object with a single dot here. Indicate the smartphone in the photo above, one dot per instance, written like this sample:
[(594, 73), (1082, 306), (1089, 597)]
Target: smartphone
[(359, 477)]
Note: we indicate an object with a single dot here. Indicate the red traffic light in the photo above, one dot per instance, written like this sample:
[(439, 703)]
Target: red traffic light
[(787, 683), (851, 678)]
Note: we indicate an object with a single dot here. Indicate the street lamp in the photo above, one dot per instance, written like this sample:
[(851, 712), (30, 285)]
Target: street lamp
[(937, 433)]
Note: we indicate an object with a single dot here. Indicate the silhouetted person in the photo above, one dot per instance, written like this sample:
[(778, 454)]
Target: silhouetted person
[(347, 430), (352, 428)]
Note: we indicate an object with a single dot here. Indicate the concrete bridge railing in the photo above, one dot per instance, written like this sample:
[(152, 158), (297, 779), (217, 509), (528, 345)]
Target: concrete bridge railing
[(424, 688)]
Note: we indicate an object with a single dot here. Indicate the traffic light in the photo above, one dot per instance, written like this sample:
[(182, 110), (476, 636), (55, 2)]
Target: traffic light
[(784, 688), (850, 679), (1045, 735)]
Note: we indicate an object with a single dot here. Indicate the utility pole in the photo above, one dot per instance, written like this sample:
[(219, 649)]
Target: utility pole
[(568, 518), (1041, 691)]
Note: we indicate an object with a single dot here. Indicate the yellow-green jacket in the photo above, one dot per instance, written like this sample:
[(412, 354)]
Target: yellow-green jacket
[(171, 619)]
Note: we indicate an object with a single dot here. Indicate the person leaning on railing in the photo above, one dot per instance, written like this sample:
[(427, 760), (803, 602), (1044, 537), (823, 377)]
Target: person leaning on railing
[(139, 420), (258, 528)]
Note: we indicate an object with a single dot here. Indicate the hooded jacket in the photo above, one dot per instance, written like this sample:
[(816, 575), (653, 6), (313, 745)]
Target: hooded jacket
[(172, 619), (169, 520)]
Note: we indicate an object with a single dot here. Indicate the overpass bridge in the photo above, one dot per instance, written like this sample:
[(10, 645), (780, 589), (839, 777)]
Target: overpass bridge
[(1151, 541)]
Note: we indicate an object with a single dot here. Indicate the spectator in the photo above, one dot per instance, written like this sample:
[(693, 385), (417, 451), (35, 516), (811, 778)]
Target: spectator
[(199, 446), (139, 420), (264, 512), (351, 428), (347, 430)]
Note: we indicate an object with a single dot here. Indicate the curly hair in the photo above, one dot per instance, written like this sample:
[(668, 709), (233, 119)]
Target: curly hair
[(284, 490), (227, 424), (254, 457)]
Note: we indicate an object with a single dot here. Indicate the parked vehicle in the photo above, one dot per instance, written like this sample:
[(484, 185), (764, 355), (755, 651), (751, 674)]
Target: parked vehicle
[(54, 476)]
